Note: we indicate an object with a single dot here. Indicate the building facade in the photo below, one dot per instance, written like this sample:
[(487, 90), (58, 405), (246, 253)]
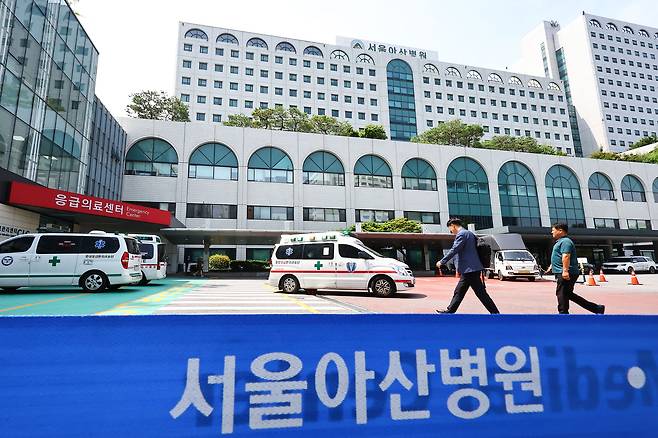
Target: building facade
[(106, 155), (222, 72), (610, 75), (226, 178)]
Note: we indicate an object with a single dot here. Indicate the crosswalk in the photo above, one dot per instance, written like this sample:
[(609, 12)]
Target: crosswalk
[(248, 297)]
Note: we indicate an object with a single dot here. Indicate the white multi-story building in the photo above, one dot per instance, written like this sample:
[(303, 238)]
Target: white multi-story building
[(610, 74), (222, 71)]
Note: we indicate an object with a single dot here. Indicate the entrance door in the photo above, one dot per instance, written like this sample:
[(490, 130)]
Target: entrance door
[(15, 261), (352, 271), (55, 260)]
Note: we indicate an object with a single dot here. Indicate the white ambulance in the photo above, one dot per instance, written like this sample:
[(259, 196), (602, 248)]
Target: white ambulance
[(335, 261), (154, 258), (94, 261)]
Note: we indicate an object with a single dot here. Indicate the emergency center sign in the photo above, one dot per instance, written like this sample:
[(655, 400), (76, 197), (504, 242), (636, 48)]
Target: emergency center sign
[(32, 195)]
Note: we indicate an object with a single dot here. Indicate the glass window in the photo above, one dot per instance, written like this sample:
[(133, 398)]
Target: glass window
[(270, 164), (289, 252), (323, 168), (372, 171), (564, 198), (418, 174), (63, 244), (600, 187), (632, 189), (19, 244), (152, 157), (468, 192), (423, 217), (517, 189), (211, 211), (374, 215), (213, 161), (257, 212), (324, 214), (402, 107)]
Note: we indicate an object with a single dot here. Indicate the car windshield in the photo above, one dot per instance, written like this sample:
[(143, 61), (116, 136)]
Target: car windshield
[(360, 245), (518, 256), (620, 259)]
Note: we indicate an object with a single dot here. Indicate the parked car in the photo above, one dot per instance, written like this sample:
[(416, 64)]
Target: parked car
[(630, 263)]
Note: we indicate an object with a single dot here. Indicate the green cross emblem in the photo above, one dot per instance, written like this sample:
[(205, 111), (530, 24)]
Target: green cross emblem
[(318, 265), (54, 261)]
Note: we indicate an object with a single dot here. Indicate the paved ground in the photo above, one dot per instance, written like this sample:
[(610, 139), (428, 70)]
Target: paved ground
[(200, 296)]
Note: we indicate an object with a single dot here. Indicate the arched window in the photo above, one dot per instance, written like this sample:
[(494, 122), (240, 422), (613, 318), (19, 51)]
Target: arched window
[(365, 58), (643, 33), (452, 71), (474, 75), (213, 161), (517, 189), (313, 51), (323, 168), (594, 23), (565, 203), (655, 190), (285, 46), (418, 174), (257, 42), (533, 83), (627, 29), (430, 68), (632, 189), (515, 81), (401, 101), (611, 26), (227, 38), (339, 54), (152, 157), (196, 33), (553, 86), (372, 171), (468, 192), (493, 77), (600, 187), (270, 164)]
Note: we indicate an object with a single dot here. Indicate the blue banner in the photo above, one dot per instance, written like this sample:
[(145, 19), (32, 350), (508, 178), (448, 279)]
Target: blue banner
[(329, 375)]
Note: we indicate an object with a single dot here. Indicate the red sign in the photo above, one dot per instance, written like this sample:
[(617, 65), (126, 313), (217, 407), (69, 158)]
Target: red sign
[(38, 196)]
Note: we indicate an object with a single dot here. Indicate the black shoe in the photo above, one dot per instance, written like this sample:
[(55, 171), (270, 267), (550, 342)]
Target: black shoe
[(443, 311), (601, 309)]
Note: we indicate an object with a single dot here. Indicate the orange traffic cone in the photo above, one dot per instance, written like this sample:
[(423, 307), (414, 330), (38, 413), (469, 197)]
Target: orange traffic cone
[(634, 280), (602, 278), (590, 279)]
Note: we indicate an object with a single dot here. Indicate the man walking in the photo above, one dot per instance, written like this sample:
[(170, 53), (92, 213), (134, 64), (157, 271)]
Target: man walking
[(469, 267), (565, 267)]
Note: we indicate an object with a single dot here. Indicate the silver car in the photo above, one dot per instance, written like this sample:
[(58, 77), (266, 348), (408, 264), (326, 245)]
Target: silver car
[(630, 263)]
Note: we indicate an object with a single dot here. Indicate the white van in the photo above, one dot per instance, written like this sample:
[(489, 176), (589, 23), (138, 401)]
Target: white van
[(93, 261), (154, 258), (515, 263), (335, 261)]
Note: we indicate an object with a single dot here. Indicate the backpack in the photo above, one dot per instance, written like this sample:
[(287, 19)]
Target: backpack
[(484, 252)]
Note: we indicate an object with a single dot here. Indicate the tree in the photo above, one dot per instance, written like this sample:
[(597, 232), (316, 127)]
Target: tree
[(373, 131), (298, 121), (452, 132), (397, 225), (280, 118), (263, 118), (644, 141), (324, 124), (518, 144), (156, 105), (239, 120), (346, 130)]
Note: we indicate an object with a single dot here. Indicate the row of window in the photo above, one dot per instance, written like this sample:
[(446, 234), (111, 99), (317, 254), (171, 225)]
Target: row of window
[(505, 117), (233, 103), (500, 90), (622, 61), (310, 214), (249, 71), (632, 224), (203, 82), (625, 29), (620, 50)]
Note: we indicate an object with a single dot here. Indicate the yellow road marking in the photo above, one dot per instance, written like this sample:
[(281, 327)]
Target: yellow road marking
[(128, 307), (293, 300), (40, 302)]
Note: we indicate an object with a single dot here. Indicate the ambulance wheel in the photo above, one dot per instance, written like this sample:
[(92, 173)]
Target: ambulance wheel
[(382, 286), (143, 281), (290, 284), (93, 281)]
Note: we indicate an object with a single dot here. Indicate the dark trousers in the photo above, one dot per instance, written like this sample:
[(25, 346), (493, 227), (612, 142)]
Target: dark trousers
[(474, 281), (564, 292)]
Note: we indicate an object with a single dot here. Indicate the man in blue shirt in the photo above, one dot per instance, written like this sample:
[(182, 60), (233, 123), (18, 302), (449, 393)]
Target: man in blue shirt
[(564, 265), (467, 261)]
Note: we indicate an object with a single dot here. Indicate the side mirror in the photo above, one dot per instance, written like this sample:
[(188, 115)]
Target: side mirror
[(364, 255)]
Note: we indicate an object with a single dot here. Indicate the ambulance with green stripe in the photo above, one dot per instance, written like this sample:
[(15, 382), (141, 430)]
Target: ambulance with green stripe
[(335, 261), (93, 261)]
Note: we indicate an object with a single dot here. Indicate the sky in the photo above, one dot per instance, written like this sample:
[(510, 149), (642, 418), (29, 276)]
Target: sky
[(137, 38)]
